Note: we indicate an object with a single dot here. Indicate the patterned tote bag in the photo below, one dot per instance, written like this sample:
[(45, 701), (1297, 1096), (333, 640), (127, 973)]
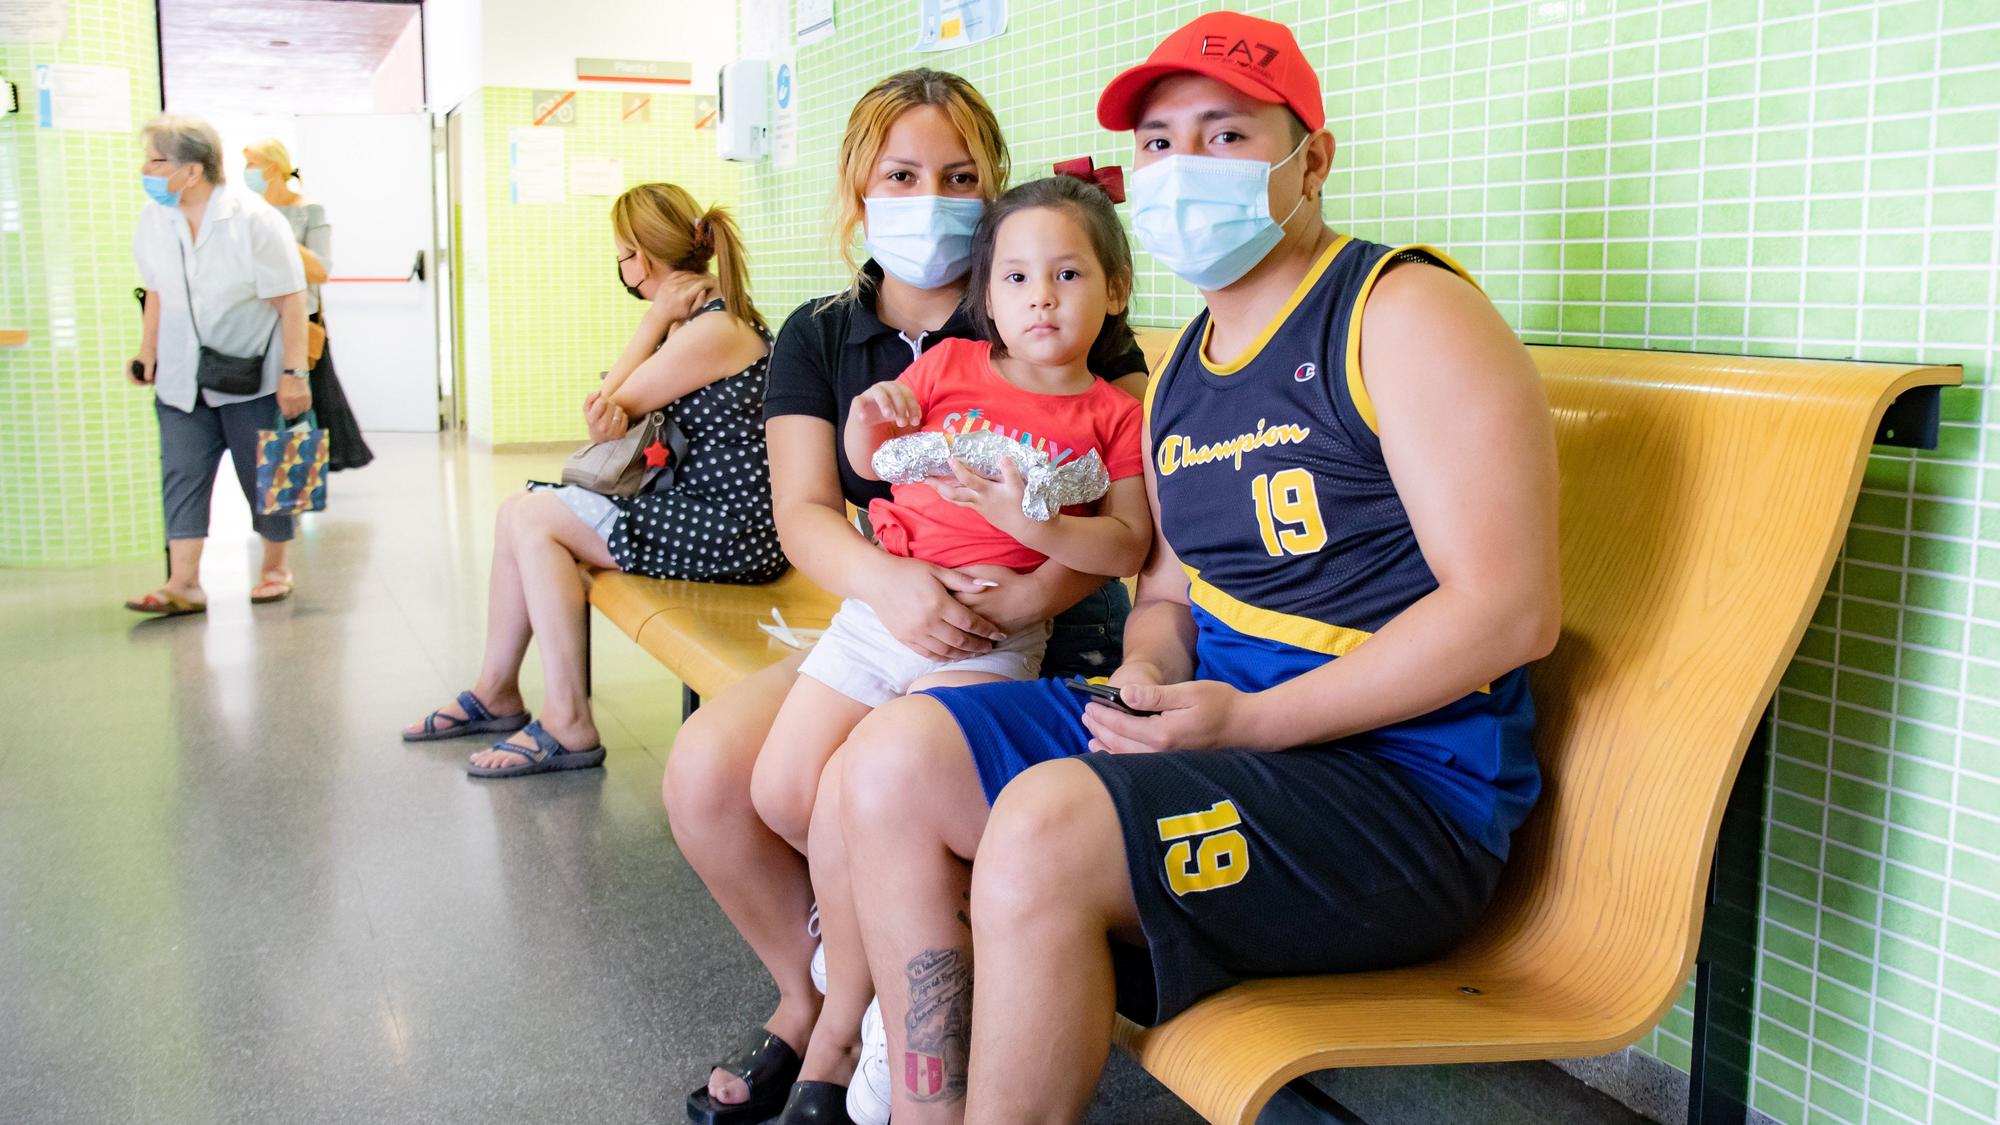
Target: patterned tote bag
[(291, 468)]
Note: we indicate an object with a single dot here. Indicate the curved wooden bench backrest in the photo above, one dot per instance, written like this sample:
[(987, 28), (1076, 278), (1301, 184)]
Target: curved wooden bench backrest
[(1704, 499)]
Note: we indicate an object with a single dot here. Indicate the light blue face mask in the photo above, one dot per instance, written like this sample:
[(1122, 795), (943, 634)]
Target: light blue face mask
[(253, 178), (922, 240), (1207, 218), (156, 187)]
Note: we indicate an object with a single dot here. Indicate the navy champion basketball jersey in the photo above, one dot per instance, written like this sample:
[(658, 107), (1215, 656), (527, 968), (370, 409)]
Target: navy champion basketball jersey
[(1276, 499)]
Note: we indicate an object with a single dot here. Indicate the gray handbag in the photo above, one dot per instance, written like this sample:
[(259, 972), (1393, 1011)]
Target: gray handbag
[(643, 460)]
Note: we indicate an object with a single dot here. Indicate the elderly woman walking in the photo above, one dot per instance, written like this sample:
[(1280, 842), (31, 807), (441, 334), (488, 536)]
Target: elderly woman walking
[(224, 347)]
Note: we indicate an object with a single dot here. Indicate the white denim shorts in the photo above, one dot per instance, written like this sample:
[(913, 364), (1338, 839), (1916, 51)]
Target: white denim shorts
[(863, 661), (596, 510)]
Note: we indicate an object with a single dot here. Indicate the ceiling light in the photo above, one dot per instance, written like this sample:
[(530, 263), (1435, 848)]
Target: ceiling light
[(281, 42)]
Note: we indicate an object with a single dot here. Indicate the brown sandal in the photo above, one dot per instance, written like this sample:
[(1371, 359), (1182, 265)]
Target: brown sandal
[(165, 603), (284, 586)]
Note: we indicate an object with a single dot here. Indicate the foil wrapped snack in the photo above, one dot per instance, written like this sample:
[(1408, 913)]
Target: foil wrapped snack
[(916, 457)]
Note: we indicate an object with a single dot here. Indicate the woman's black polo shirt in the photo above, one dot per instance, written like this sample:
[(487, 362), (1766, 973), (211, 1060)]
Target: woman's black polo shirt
[(826, 356)]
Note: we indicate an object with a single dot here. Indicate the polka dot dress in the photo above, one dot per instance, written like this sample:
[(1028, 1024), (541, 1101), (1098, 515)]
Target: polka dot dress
[(713, 523)]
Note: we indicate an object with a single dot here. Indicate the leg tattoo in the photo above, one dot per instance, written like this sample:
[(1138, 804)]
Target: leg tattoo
[(938, 1031)]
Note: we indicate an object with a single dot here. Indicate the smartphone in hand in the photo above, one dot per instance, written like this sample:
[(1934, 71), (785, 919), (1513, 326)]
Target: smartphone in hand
[(1105, 694)]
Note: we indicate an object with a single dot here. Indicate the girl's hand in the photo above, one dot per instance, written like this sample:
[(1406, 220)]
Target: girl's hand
[(916, 603), (889, 403), (1197, 715), (998, 500), (606, 419)]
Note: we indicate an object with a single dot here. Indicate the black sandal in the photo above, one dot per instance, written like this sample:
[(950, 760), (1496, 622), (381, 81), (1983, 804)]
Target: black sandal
[(767, 1065), (815, 1103)]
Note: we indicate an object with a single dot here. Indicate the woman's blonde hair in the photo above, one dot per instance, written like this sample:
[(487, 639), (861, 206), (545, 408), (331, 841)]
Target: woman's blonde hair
[(868, 129), (663, 222), (272, 151)]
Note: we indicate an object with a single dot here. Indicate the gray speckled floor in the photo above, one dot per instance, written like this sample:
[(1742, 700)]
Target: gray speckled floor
[(229, 893)]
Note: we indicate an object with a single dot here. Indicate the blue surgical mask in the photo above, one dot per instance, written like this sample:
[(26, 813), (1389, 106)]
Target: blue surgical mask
[(1207, 218), (156, 186), (253, 178), (922, 240)]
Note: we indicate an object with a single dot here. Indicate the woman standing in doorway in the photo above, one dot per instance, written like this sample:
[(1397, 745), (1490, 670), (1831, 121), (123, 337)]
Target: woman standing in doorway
[(268, 171), (921, 158), (224, 347)]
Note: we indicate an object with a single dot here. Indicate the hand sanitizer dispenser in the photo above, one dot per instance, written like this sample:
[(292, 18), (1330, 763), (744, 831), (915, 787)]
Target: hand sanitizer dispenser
[(743, 110)]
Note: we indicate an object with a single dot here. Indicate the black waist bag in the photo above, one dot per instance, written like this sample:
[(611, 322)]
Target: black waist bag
[(229, 374), (214, 371)]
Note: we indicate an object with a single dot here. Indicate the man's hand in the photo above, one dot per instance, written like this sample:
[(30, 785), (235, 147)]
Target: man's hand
[(998, 500), (888, 402), (1197, 715), (295, 396), (606, 420), (142, 369)]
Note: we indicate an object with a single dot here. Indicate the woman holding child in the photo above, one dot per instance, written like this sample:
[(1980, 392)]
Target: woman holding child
[(949, 602), (699, 354)]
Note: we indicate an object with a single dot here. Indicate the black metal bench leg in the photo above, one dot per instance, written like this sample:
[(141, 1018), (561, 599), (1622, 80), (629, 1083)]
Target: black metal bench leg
[(689, 701), (1299, 1102), (1726, 969)]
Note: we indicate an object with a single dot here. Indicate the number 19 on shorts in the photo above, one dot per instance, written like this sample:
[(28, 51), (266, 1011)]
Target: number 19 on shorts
[(1205, 852)]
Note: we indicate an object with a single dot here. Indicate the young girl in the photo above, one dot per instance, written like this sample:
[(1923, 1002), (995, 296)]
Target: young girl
[(1049, 278)]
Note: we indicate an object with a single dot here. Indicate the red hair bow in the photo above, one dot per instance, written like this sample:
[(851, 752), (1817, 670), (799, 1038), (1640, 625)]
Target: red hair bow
[(1110, 179)]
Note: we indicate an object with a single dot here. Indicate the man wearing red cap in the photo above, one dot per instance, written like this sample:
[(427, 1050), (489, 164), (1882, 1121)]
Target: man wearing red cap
[(1322, 746)]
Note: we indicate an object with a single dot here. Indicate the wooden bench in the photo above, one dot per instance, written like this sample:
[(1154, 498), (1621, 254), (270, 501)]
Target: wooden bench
[(1704, 499)]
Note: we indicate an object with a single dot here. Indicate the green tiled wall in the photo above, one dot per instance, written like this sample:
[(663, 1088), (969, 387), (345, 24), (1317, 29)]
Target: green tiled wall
[(79, 450), (1780, 177), (546, 297)]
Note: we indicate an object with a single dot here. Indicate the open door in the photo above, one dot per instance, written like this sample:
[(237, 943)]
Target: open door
[(373, 172)]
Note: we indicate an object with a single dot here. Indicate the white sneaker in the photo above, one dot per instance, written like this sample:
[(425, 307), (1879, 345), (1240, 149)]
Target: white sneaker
[(868, 1093)]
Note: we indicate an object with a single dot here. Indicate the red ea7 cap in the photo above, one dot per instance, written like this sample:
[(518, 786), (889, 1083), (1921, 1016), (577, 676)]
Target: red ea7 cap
[(1256, 57)]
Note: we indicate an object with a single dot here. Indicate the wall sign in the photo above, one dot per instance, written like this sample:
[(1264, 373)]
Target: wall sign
[(658, 71)]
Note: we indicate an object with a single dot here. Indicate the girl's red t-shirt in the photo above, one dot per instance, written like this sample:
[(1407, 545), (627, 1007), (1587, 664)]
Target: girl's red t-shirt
[(960, 392)]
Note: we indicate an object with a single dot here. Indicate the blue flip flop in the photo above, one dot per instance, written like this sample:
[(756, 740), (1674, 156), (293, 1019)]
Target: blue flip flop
[(547, 756), (478, 720)]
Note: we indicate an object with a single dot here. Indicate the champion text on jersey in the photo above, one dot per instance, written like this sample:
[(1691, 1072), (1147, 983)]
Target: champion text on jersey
[(1178, 451)]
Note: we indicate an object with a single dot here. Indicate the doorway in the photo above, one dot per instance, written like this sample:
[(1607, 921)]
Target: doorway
[(341, 85)]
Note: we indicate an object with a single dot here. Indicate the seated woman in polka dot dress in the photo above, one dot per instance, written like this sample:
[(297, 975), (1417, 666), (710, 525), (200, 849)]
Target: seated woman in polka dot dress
[(699, 354)]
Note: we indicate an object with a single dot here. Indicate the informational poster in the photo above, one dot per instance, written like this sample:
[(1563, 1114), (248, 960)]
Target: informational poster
[(767, 28), (83, 97), (535, 165), (815, 20), (785, 122), (945, 24), (35, 21), (596, 175)]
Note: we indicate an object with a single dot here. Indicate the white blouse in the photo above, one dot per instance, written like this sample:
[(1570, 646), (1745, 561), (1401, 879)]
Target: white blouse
[(244, 256)]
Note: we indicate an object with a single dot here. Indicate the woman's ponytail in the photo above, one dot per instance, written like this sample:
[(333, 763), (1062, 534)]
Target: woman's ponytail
[(718, 231)]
